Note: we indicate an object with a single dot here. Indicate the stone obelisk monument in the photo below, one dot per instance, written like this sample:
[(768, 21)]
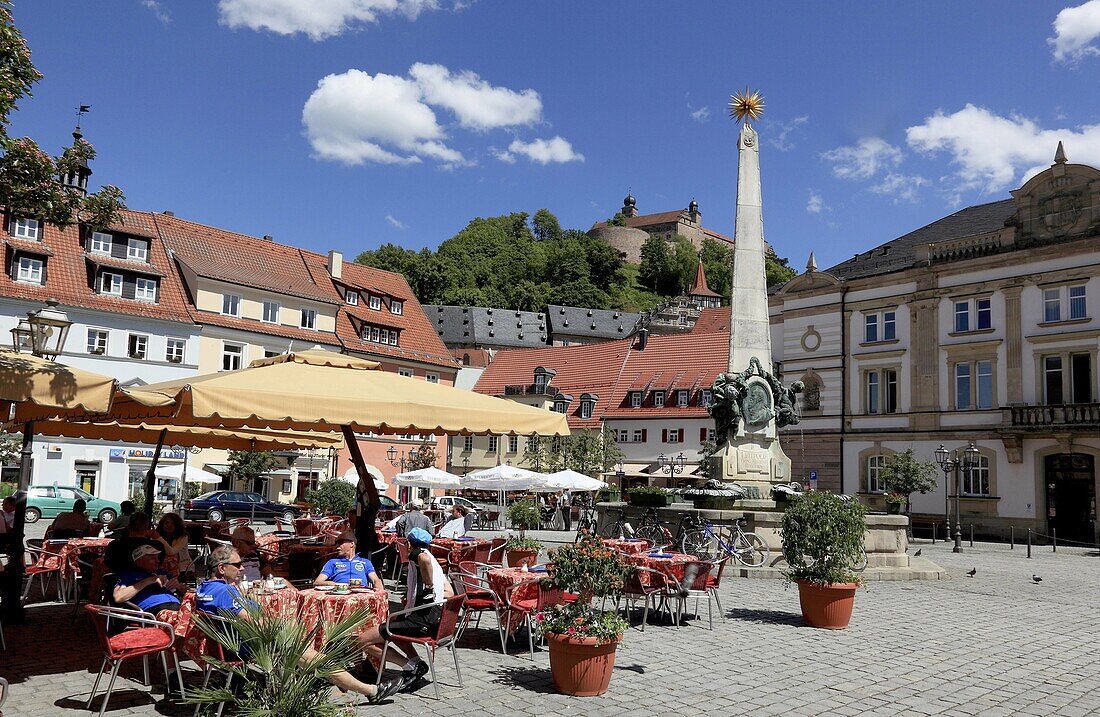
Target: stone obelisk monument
[(749, 403)]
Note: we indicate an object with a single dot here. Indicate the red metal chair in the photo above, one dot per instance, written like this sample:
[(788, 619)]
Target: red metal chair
[(480, 597), (149, 637), (442, 556), (44, 564), (697, 589), (647, 585), (445, 636), (496, 551), (714, 581), (481, 552), (403, 549)]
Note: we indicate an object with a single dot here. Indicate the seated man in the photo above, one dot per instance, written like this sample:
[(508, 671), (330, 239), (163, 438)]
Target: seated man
[(456, 526), (74, 523), (145, 585), (414, 519), (122, 521), (244, 542), (220, 596), (348, 565)]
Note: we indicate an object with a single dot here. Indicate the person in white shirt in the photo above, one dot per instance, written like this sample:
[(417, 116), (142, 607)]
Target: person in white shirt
[(456, 526)]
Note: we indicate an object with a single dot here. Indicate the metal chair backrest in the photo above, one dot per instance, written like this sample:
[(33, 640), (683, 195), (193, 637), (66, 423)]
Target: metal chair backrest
[(403, 549), (496, 551), (101, 614), (549, 596), (481, 552), (448, 622), (721, 565)]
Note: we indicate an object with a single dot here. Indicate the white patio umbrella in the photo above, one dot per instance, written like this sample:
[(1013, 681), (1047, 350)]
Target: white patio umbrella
[(379, 480), (572, 480), (182, 471), (503, 477), (430, 477)]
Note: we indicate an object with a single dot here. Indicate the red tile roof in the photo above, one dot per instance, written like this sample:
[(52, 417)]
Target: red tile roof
[(69, 278), (614, 368), (213, 318), (713, 320), (112, 262), (29, 246), (700, 287)]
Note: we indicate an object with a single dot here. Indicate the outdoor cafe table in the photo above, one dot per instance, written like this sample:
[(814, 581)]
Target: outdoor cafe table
[(65, 555), (503, 579), (672, 566), (327, 607), (273, 546), (629, 547), (284, 602)]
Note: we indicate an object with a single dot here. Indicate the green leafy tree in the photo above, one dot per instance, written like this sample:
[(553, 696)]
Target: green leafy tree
[(11, 446), (905, 475), (245, 467), (425, 455), (776, 270), (616, 221), (333, 496), (545, 225), (579, 292), (29, 185), (706, 450), (604, 263), (588, 452), (685, 259), (656, 263), (717, 261)]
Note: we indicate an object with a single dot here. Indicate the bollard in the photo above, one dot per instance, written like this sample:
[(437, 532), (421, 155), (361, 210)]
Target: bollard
[(1054, 540), (1029, 543), (972, 535), (1012, 537)]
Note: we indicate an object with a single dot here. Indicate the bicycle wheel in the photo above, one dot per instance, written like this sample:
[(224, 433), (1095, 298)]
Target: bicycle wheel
[(700, 543), (653, 534), (612, 530), (750, 550)]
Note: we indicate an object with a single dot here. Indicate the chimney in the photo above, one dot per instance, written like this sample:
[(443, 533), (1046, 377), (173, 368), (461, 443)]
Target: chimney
[(335, 264), (643, 338), (268, 237), (169, 213)]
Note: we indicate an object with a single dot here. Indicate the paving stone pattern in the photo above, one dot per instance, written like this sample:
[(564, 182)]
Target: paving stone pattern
[(994, 644)]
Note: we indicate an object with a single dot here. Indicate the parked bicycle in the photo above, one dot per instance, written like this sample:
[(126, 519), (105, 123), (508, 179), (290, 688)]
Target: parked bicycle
[(650, 528), (708, 543)]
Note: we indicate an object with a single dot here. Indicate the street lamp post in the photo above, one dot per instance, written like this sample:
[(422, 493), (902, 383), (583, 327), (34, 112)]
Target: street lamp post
[(406, 458), (947, 465), (671, 466), (960, 461)]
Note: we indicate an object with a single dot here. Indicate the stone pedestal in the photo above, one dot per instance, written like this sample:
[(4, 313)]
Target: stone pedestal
[(753, 462)]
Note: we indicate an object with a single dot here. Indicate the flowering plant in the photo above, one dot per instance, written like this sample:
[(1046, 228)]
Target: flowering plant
[(577, 620), (895, 499), (590, 569)]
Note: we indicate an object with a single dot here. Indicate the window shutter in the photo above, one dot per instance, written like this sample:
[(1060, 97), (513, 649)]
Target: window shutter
[(664, 435), (645, 434), (702, 434), (680, 436)]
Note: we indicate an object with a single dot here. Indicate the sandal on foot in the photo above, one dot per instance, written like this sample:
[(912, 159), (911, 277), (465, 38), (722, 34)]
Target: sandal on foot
[(386, 689)]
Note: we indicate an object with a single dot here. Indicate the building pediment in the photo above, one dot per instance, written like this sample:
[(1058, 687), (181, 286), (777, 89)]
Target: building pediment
[(1061, 201)]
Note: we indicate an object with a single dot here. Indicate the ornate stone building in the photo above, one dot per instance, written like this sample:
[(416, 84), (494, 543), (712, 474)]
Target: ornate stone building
[(981, 326), (636, 228)]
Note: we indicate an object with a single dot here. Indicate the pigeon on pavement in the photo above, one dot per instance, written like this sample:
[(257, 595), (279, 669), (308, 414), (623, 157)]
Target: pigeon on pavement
[(1036, 579), (972, 572), (917, 554)]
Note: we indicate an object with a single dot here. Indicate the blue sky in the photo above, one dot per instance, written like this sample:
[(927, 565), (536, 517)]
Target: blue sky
[(350, 123)]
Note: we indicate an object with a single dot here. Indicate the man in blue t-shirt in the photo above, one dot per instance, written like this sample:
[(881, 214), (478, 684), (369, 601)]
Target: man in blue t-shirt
[(348, 566), (145, 584)]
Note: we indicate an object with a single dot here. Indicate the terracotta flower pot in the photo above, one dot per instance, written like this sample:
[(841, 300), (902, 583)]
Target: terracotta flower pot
[(828, 606), (580, 667), (517, 558)]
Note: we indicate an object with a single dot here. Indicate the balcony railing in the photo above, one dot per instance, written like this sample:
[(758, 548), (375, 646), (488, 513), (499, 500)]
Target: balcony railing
[(1072, 414), (529, 389)]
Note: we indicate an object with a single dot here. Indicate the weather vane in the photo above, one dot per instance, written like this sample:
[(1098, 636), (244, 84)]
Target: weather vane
[(81, 110), (746, 106)]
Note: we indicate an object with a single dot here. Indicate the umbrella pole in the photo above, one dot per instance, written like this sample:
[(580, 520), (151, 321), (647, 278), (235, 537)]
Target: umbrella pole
[(150, 478), (366, 540), (13, 587)]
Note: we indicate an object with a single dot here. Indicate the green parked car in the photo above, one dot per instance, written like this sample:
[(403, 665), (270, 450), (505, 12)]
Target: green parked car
[(49, 501)]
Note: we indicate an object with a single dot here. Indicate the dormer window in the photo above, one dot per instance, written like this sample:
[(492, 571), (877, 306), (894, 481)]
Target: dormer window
[(145, 289), (588, 403), (658, 399), (376, 302), (309, 319), (561, 406), (24, 229), (29, 270), (351, 297), (681, 399), (704, 398), (543, 376), (396, 307), (101, 243), (137, 249), (378, 335), (231, 305), (110, 283), (635, 399)]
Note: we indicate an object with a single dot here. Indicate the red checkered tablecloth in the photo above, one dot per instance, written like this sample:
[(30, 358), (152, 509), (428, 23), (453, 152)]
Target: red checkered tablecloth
[(327, 608), (630, 547), (672, 566), (501, 580)]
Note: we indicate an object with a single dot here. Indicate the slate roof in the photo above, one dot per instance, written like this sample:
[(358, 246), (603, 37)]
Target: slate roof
[(612, 369), (474, 326), (69, 277), (590, 323), (898, 254)]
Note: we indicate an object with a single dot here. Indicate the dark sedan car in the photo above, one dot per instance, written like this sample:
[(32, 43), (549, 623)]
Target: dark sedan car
[(223, 504)]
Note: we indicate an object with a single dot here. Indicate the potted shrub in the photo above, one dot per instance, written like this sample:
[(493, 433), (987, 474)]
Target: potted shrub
[(520, 550), (894, 503), (648, 496), (822, 539), (523, 515), (583, 639)]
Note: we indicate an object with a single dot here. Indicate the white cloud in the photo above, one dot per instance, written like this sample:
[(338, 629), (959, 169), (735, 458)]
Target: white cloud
[(545, 151), (815, 203), (782, 139), (1075, 31), (477, 104), (354, 118), (864, 159), (701, 115), (503, 155), (396, 223), (993, 152), (158, 10), (902, 187), (316, 19)]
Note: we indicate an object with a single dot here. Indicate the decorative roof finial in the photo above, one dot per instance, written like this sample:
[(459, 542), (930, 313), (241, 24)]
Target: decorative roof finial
[(1060, 154), (811, 264)]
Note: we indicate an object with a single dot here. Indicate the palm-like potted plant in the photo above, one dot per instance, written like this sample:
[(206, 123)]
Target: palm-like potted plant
[(583, 639), (276, 679), (822, 540)]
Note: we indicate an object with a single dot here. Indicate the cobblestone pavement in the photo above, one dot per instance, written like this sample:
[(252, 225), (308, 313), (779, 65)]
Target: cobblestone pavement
[(992, 644)]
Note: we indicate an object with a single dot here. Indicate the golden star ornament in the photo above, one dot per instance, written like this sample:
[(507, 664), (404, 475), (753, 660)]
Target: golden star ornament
[(746, 106)]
